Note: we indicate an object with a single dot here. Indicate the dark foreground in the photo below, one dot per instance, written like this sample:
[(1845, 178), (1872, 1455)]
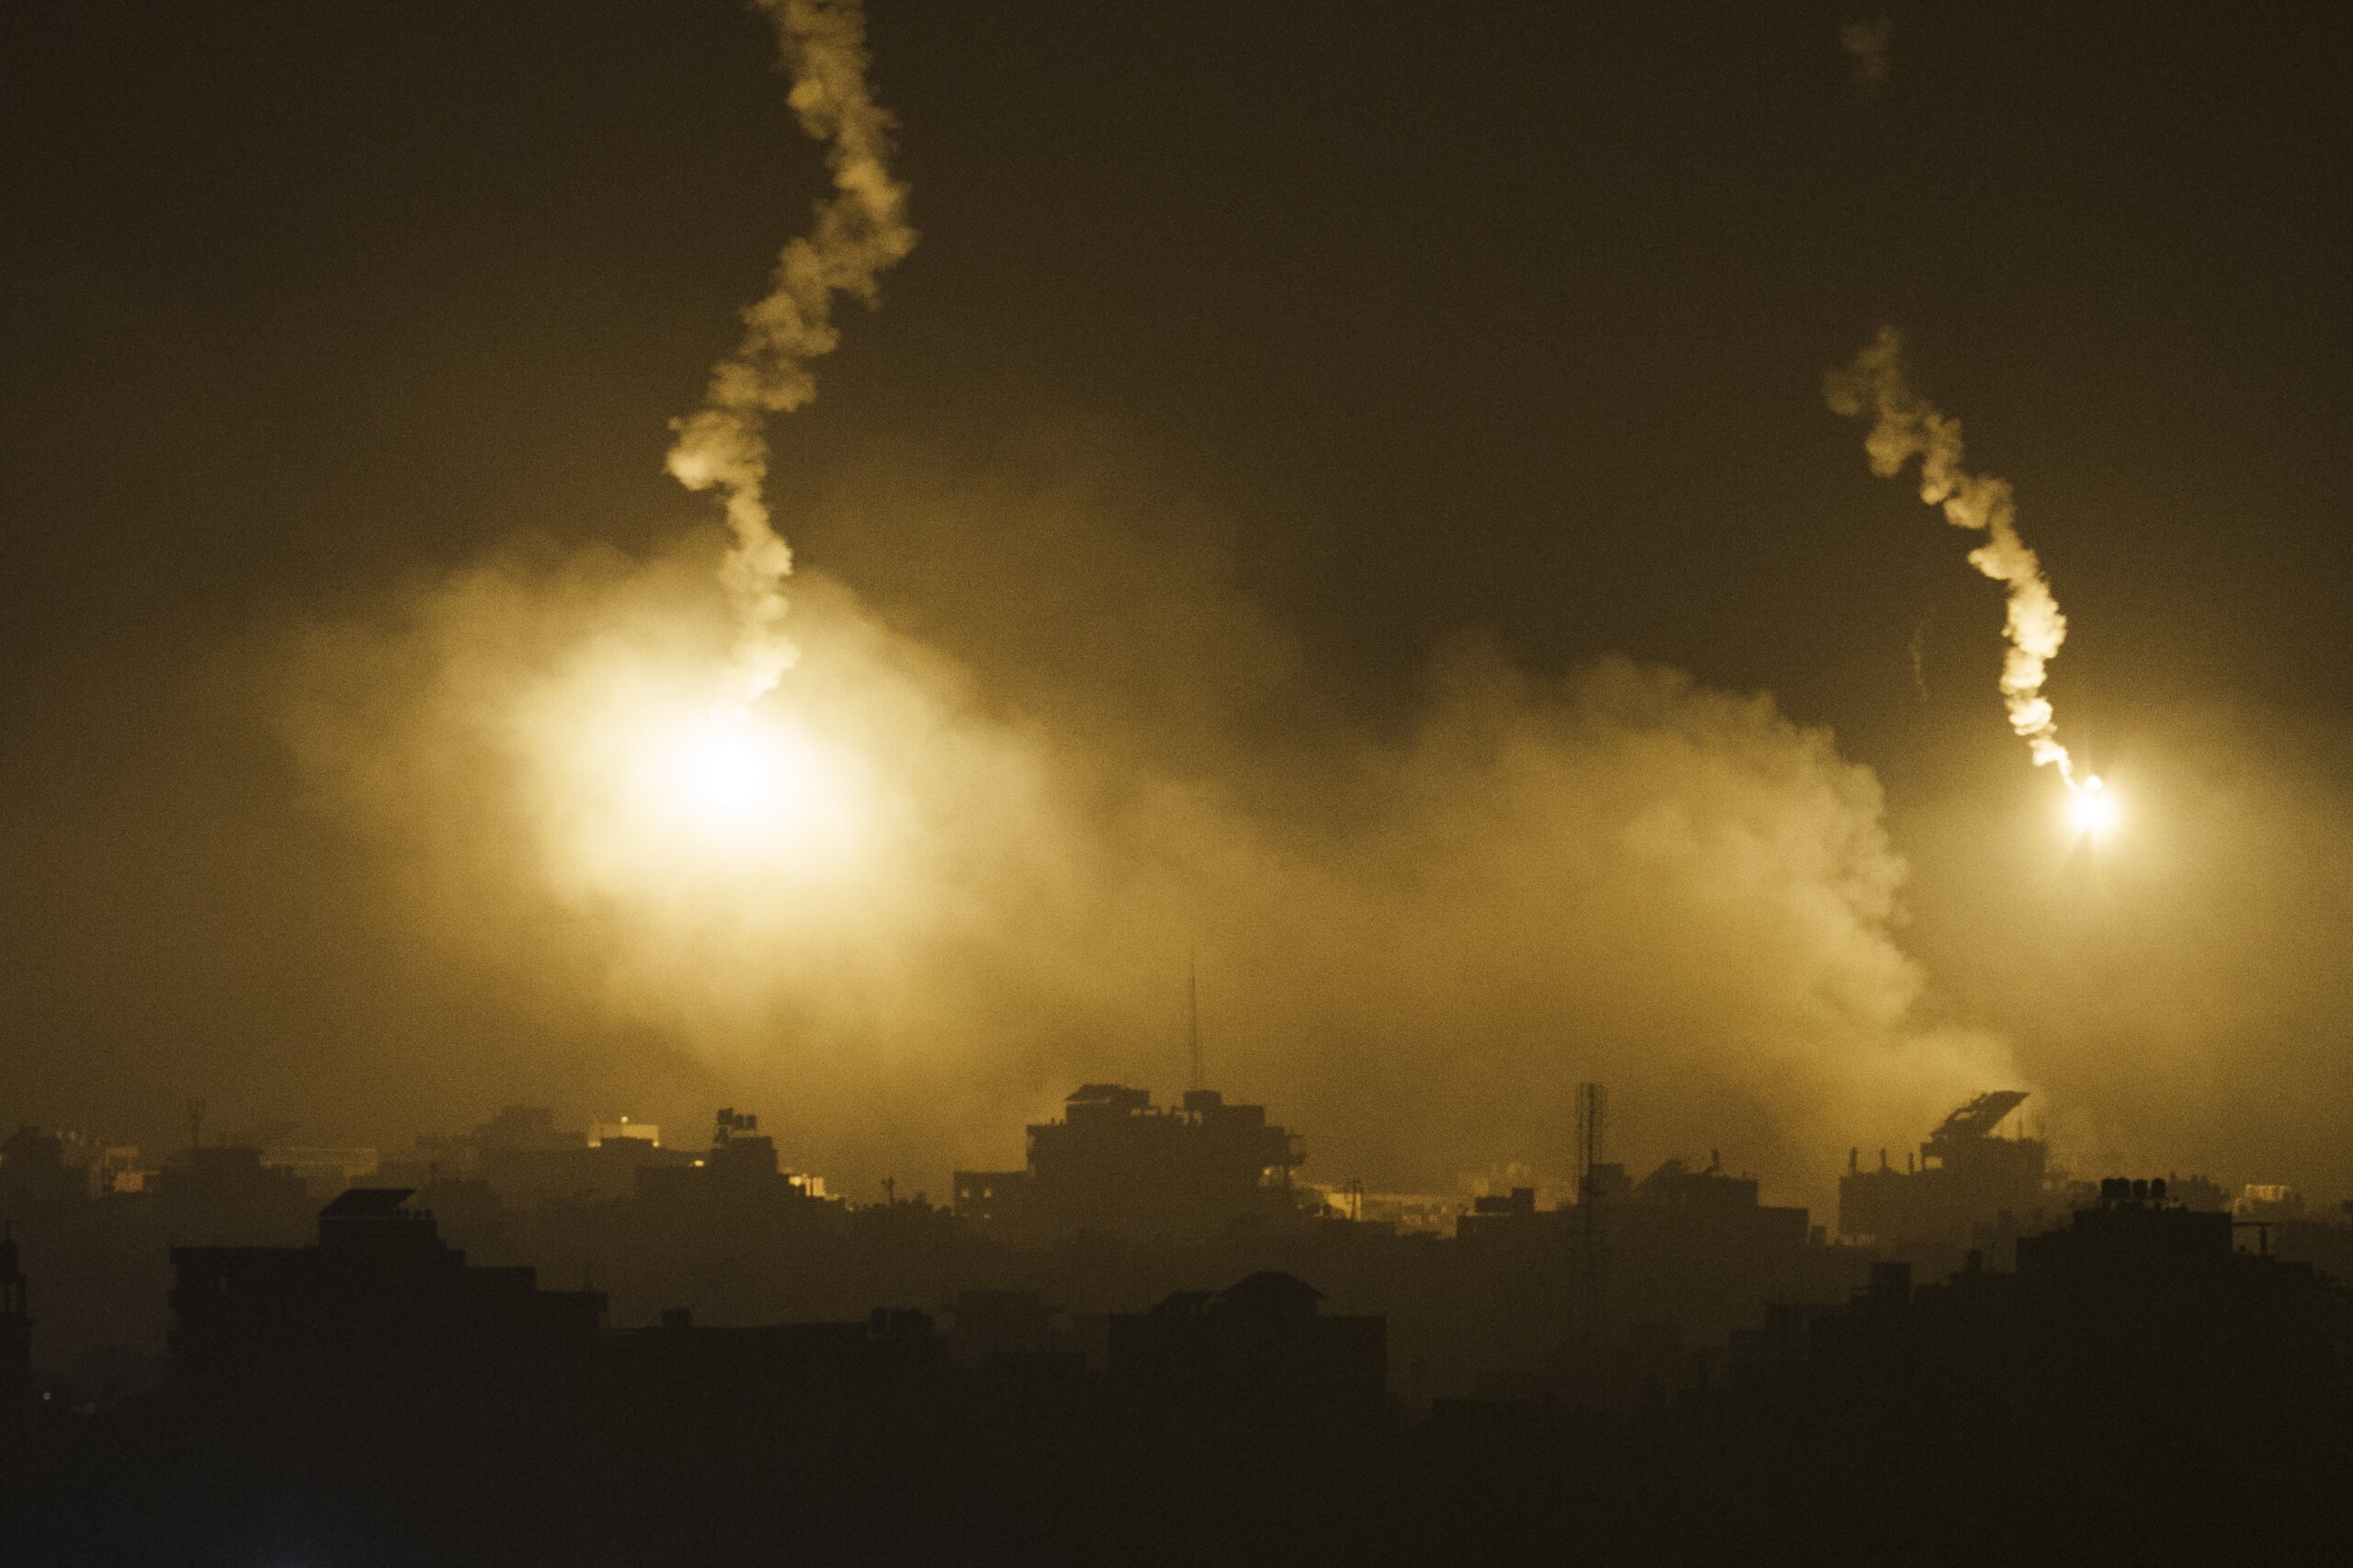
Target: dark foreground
[(2138, 1392)]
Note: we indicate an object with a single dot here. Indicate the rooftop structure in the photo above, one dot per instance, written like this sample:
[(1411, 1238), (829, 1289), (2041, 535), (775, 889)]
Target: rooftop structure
[(1117, 1164), (1965, 1177), (2135, 1235), (740, 1170)]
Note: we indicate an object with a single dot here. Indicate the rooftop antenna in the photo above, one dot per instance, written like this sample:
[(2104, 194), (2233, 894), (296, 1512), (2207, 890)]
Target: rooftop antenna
[(1593, 1106), (1193, 1014), (195, 1124)]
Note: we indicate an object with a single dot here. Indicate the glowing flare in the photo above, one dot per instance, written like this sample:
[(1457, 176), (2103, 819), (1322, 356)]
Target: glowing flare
[(727, 775), (744, 783), (2092, 809), (648, 794)]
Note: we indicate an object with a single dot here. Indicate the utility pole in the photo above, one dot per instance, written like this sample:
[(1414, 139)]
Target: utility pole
[(195, 1124), (1593, 1102)]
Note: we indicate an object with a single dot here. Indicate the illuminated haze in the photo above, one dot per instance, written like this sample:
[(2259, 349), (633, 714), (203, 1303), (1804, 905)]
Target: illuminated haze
[(1340, 492), (1416, 945), (878, 892)]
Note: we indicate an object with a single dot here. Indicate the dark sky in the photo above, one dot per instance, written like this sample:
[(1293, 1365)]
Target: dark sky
[(1399, 324)]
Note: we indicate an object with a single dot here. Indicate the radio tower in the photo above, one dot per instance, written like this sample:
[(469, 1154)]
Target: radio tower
[(1593, 1105)]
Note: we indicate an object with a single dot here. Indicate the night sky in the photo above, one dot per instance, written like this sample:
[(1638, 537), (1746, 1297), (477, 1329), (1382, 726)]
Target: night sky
[(1341, 489)]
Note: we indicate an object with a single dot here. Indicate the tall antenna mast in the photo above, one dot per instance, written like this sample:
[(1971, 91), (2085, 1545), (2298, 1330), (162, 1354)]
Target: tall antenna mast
[(1193, 1014), (1593, 1106)]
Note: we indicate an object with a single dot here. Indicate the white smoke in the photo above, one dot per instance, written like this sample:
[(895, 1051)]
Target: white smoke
[(1416, 945), (1907, 426), (859, 231)]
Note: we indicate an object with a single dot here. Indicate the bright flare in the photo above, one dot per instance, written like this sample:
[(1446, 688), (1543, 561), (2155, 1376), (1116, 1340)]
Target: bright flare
[(647, 796), (747, 785), (2092, 808), (725, 776)]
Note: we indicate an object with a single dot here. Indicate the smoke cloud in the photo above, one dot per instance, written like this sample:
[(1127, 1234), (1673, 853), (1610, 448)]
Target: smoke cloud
[(1413, 945), (860, 231), (1906, 426)]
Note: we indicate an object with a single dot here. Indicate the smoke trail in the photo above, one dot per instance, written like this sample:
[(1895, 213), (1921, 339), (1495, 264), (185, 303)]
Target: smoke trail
[(1907, 425), (859, 231)]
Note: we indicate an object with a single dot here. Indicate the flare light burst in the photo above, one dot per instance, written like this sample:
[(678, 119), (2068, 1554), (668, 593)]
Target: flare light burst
[(653, 794), (2091, 808)]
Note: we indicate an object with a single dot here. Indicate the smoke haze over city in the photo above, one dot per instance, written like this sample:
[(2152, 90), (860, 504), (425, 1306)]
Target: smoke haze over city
[(1338, 501)]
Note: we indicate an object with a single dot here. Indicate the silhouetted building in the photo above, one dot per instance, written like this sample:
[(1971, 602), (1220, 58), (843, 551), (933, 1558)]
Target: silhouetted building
[(2268, 1203), (1115, 1165), (36, 1175), (710, 1375), (2196, 1191), (1002, 1322), (2325, 1243), (1543, 1303), (325, 1172), (16, 1328), (1264, 1342), (222, 1195), (2136, 1237), (1965, 1179), (379, 1304), (740, 1173)]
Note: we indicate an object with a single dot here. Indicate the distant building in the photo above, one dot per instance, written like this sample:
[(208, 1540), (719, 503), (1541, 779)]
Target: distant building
[(1489, 1208), (733, 1379), (1965, 1179), (1676, 1210), (36, 1173), (15, 1330), (1262, 1343), (740, 1172), (527, 1161), (1404, 1214), (997, 1323), (2268, 1201), (1115, 1165), (1688, 1244), (2134, 1237), (2134, 1292), (222, 1195), (603, 1132), (379, 1302), (325, 1172), (2197, 1191)]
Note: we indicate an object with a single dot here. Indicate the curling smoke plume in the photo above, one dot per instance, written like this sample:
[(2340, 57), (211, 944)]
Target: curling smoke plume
[(859, 231), (1907, 425)]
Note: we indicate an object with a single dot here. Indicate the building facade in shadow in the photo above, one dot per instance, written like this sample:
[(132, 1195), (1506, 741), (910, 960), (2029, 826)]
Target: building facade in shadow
[(1118, 1166)]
